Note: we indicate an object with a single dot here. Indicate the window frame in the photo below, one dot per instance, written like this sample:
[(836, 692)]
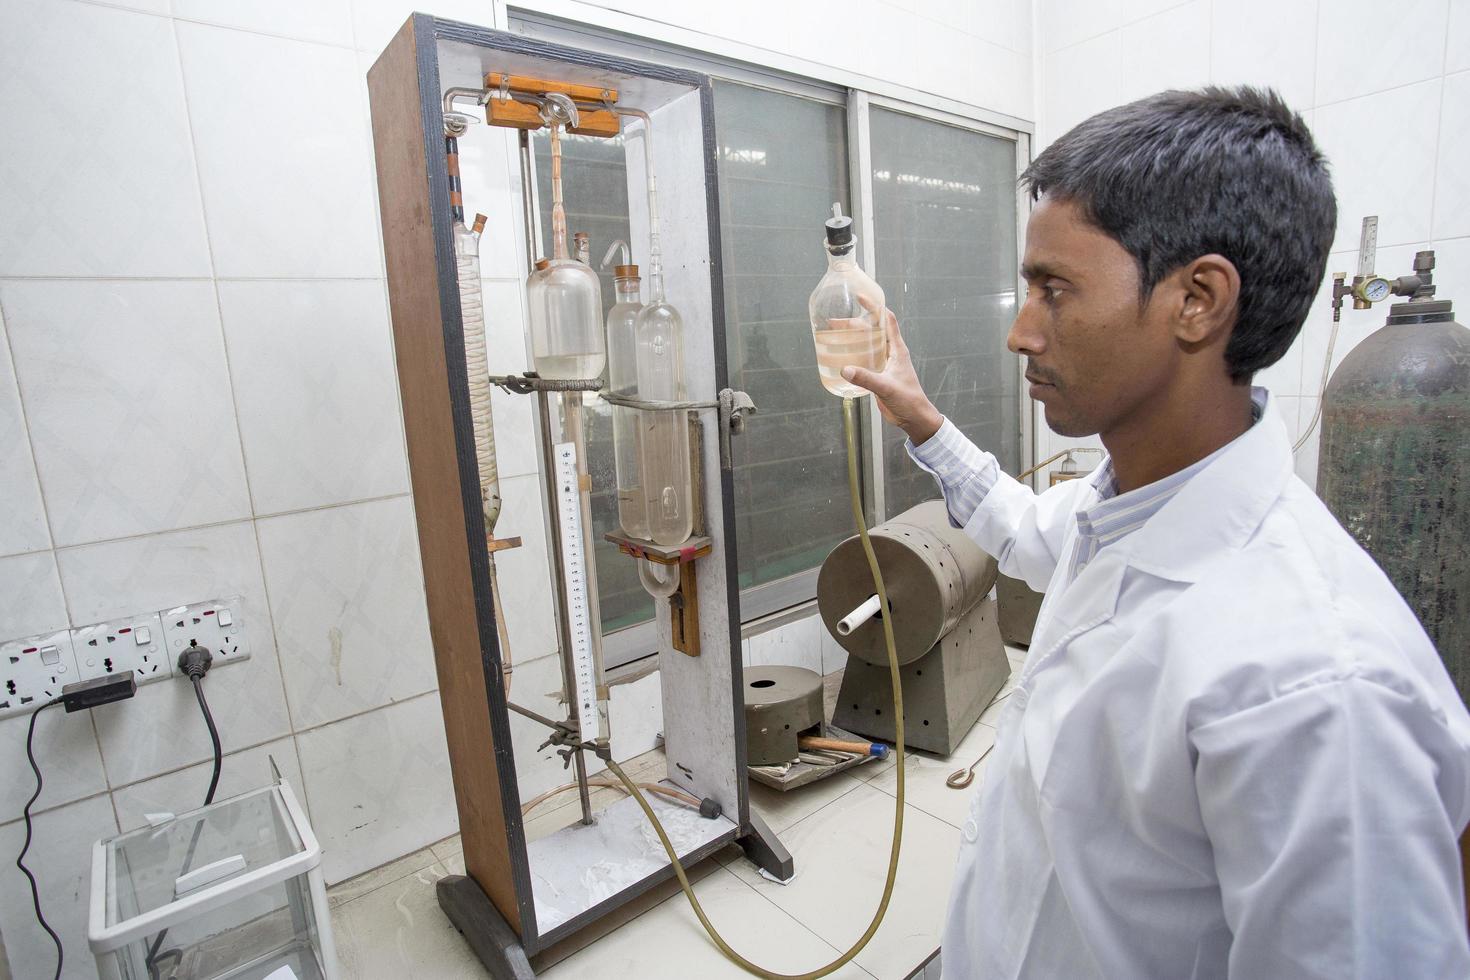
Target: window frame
[(629, 36)]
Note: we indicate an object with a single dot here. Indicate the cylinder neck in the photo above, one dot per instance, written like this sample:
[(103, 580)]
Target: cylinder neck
[(842, 255), (1421, 311)]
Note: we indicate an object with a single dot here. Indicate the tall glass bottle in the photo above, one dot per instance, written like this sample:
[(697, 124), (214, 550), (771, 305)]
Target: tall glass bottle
[(565, 300), (622, 379), (846, 312), (664, 436)]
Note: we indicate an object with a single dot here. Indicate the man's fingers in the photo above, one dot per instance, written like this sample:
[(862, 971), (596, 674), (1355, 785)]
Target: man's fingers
[(895, 339), (871, 380)]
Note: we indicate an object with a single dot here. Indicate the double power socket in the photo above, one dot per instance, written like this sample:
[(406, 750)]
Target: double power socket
[(34, 669)]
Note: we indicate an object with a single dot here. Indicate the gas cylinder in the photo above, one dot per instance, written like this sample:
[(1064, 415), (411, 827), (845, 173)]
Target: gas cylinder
[(1394, 466)]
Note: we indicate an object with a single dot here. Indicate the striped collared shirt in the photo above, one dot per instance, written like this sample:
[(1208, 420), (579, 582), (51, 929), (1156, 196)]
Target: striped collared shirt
[(966, 474)]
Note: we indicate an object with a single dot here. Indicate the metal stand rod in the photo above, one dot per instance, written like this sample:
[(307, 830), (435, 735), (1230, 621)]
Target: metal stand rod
[(540, 719), (528, 206), (563, 623), (579, 764)]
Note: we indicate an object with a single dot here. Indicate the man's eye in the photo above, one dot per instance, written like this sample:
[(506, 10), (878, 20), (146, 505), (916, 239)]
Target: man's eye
[(1047, 292)]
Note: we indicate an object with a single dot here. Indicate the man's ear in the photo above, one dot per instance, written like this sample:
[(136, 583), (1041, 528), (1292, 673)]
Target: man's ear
[(1210, 286)]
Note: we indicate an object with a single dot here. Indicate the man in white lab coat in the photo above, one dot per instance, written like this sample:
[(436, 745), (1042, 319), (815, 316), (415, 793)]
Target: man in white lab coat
[(1232, 750)]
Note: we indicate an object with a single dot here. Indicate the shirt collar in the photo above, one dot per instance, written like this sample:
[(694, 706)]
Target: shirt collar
[(1105, 481), (1221, 506)]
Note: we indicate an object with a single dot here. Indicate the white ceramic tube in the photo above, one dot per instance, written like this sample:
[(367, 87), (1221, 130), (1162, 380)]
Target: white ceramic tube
[(858, 616)]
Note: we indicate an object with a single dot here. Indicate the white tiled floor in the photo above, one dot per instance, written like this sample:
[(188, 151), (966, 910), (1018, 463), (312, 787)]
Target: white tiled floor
[(388, 923)]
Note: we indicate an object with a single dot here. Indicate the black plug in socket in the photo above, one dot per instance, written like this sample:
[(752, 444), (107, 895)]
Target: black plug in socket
[(98, 691)]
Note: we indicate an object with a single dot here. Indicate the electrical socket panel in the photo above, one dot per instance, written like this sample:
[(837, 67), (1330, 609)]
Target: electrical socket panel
[(218, 624), (33, 670), (131, 643)]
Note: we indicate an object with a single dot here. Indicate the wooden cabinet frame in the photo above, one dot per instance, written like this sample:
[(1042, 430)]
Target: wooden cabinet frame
[(703, 717)]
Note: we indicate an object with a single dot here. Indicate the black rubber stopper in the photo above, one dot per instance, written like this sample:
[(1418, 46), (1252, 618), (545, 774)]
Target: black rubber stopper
[(839, 233)]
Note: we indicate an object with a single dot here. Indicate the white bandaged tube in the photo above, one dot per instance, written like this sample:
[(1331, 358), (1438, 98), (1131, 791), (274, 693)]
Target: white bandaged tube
[(859, 616), (477, 366)]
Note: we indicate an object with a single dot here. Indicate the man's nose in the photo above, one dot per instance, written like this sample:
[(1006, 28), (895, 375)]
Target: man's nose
[(1026, 337)]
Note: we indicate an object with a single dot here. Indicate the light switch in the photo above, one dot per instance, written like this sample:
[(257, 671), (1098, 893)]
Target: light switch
[(142, 636), (224, 617), (50, 656)]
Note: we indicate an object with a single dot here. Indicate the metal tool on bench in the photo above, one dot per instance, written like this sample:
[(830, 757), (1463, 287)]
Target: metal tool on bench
[(952, 660)]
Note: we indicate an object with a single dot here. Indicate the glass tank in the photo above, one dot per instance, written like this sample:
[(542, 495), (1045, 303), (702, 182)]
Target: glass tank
[(663, 436), (230, 891), (846, 312), (622, 379), (564, 301)]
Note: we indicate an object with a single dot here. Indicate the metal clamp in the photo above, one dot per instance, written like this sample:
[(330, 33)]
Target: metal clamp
[(562, 734), (524, 384), (558, 109), (734, 407)]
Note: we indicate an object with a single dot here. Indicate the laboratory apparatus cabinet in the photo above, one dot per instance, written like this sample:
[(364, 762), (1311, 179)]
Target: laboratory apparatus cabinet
[(502, 910)]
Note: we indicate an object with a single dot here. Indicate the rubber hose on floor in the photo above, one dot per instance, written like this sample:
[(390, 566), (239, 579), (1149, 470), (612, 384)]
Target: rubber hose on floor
[(849, 421)]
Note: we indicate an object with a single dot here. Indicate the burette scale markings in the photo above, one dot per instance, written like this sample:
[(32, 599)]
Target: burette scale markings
[(574, 570)]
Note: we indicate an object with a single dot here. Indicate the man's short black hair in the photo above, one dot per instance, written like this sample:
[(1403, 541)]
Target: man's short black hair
[(1231, 171)]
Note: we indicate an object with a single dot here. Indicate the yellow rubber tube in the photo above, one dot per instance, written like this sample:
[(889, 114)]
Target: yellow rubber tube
[(849, 421)]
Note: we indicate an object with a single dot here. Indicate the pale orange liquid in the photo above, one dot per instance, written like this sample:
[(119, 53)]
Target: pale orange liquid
[(863, 347)]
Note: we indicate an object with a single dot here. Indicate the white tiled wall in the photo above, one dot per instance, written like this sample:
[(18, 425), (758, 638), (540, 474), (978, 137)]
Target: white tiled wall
[(1387, 102), (197, 398)]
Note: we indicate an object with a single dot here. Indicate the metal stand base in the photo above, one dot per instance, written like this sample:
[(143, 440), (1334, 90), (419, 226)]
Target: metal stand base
[(482, 925), (944, 691), (1019, 606), (765, 850)]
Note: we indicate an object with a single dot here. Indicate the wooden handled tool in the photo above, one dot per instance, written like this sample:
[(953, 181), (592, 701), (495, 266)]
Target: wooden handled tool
[(877, 749)]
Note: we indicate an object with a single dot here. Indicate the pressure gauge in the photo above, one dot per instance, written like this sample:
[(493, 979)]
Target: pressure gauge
[(1374, 289)]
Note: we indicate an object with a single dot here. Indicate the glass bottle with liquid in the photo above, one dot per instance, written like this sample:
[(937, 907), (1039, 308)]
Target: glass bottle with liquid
[(564, 301), (663, 436), (846, 312), (622, 379)]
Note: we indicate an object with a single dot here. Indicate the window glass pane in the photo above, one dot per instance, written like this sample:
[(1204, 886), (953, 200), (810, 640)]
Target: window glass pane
[(783, 161), (595, 195), (944, 209)]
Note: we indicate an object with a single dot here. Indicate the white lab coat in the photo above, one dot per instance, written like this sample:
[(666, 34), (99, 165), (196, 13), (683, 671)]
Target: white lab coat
[(1232, 750)]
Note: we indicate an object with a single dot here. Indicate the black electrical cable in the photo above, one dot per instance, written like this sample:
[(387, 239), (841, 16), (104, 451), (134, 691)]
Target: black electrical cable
[(198, 680), (20, 861), (195, 663)]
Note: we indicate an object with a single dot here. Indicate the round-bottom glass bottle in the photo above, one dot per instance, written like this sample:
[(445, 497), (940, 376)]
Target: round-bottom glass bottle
[(622, 379), (664, 436), (846, 312)]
